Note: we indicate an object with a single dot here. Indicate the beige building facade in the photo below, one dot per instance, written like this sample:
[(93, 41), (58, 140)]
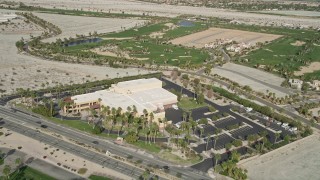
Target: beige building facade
[(145, 94)]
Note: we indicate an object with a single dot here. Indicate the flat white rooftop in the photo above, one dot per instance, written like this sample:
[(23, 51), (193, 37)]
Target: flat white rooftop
[(137, 82), (150, 98)]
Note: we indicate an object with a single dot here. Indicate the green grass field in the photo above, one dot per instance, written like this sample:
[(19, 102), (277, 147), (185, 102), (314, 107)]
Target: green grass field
[(178, 160), (188, 104), (27, 173), (95, 177), (142, 31), (274, 53), (280, 53), (182, 31), (158, 53), (150, 147)]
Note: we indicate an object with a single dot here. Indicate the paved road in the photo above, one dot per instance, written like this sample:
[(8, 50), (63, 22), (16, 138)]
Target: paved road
[(25, 119), (95, 157)]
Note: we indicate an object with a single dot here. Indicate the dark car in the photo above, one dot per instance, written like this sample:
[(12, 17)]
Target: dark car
[(44, 126)]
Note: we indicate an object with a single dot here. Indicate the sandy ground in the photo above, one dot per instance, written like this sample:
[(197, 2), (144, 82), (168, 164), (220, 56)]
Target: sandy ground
[(74, 162), (171, 10), (295, 13), (22, 71), (105, 52), (258, 81), (314, 66), (160, 34), (298, 43), (296, 161), (199, 39), (72, 25), (315, 112), (19, 26)]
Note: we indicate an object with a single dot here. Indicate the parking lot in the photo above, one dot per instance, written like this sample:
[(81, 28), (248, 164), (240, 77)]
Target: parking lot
[(247, 126), (207, 130), (175, 115), (243, 132), (220, 144), (224, 123)]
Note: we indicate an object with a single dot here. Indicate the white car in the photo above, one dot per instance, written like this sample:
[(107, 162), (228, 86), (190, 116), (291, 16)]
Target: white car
[(178, 124), (293, 129), (284, 125), (278, 123), (175, 107)]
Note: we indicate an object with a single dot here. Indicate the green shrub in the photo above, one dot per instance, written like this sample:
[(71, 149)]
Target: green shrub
[(131, 137), (97, 130), (237, 143), (43, 110), (82, 170)]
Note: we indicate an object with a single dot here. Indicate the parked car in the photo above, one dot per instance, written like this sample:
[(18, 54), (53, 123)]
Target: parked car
[(284, 125), (175, 107)]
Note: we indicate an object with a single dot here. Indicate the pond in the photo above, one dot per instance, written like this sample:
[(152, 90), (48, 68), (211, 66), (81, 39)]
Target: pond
[(186, 23), (83, 41)]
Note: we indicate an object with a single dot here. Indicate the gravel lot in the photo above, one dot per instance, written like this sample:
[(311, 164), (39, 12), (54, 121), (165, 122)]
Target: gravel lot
[(171, 10), (296, 161), (199, 39), (295, 13), (258, 80), (72, 25), (22, 71)]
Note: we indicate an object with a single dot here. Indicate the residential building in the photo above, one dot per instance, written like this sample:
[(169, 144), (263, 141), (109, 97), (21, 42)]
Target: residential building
[(296, 83)]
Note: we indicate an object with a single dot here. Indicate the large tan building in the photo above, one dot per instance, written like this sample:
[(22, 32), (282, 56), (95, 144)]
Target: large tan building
[(144, 94)]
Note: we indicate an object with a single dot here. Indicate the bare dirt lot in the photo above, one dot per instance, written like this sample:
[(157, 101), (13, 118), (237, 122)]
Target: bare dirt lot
[(199, 39), (72, 25), (314, 66), (136, 7), (258, 80), (296, 161), (54, 156), (22, 71), (295, 13)]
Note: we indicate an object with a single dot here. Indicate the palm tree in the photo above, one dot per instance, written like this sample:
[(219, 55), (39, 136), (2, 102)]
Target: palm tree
[(263, 134), (235, 156), (277, 135), (6, 170), (134, 110), (208, 139), (119, 121), (193, 124), (217, 157), (51, 107), (155, 129), (215, 141), (184, 116), (129, 109), (151, 117), (201, 132)]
